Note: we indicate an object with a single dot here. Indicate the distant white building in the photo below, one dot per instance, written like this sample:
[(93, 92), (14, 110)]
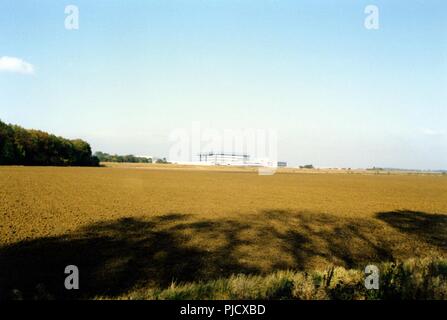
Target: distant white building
[(226, 159)]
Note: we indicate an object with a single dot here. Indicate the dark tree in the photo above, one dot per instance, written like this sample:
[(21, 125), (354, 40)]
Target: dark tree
[(20, 146)]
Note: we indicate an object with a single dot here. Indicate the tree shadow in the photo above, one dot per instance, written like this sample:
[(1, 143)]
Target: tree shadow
[(118, 256), (345, 241), (428, 227), (113, 257)]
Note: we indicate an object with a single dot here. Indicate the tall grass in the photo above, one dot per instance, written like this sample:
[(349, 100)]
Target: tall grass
[(412, 279)]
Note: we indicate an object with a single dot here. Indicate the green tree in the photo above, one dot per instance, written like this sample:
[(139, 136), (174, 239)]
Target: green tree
[(34, 147)]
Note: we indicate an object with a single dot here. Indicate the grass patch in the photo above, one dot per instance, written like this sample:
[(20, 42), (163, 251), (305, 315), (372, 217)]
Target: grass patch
[(412, 279)]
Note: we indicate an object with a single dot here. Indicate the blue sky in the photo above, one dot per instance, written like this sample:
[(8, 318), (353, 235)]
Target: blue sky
[(337, 93)]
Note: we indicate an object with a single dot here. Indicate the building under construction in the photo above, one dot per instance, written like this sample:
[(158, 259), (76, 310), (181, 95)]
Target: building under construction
[(222, 158)]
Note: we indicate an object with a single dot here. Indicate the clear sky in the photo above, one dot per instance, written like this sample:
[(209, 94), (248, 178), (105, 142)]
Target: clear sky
[(337, 93)]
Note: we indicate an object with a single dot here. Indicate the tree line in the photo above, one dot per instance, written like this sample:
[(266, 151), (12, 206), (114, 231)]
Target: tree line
[(105, 157), (19, 146)]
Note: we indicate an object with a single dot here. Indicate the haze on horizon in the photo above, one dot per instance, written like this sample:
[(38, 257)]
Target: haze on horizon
[(338, 94)]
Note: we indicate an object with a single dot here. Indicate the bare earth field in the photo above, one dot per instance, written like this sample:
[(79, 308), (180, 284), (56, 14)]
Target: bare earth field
[(129, 227)]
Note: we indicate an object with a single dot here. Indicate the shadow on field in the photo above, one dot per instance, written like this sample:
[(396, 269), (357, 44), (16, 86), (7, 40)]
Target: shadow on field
[(117, 256), (431, 228), (112, 258)]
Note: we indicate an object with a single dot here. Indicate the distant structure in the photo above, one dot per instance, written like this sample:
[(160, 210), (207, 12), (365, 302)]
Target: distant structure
[(282, 164), (232, 159), (226, 159)]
